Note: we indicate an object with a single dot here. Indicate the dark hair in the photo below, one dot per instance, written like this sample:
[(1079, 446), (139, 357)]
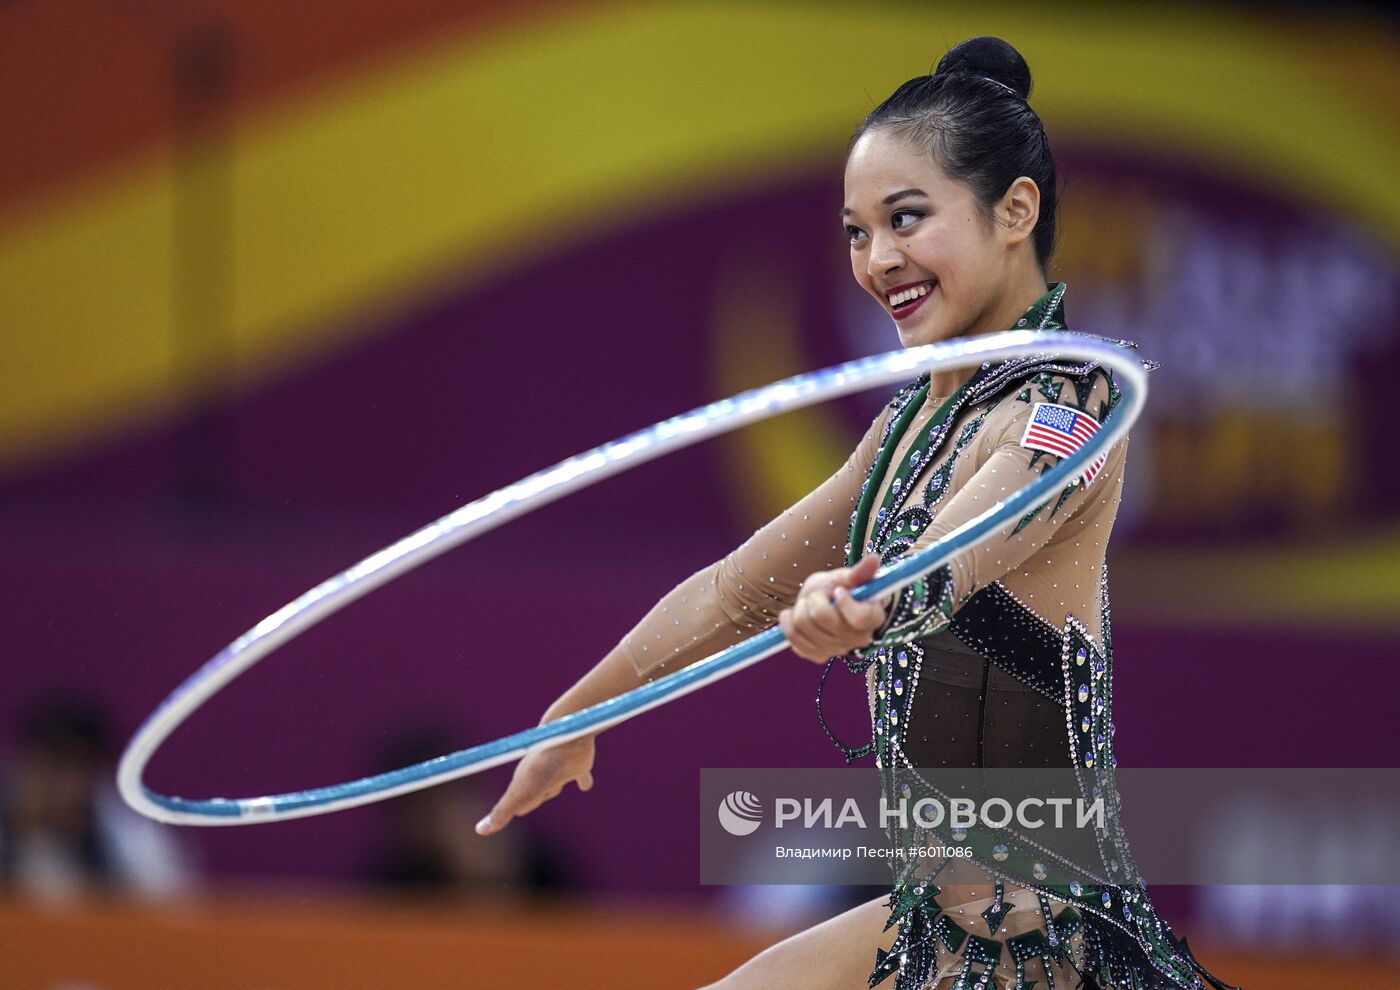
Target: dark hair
[(68, 728), (972, 114)]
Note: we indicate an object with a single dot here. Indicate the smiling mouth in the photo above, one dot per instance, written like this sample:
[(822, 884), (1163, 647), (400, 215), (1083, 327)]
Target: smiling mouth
[(907, 300)]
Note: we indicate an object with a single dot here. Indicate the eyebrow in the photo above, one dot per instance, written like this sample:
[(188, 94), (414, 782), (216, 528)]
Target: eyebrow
[(893, 197)]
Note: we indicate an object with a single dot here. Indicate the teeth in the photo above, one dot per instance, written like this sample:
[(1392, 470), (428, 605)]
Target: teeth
[(908, 295)]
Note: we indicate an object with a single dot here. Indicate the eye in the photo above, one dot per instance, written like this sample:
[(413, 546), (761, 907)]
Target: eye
[(913, 215), (853, 232)]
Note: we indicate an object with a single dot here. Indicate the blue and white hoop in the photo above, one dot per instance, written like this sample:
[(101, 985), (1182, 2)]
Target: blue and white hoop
[(577, 472)]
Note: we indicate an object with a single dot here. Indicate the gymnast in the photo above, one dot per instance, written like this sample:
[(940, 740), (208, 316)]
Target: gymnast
[(1001, 657)]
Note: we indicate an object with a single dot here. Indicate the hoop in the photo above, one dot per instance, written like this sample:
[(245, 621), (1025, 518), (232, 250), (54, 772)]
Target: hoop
[(570, 475)]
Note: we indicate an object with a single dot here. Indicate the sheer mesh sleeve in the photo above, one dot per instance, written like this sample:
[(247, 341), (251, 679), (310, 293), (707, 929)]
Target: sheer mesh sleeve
[(742, 593), (927, 605)]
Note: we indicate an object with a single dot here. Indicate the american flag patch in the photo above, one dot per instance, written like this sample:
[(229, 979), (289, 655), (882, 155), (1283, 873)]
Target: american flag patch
[(1062, 430)]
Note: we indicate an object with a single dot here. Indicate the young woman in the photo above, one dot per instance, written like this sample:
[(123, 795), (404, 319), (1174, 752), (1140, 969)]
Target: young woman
[(999, 658)]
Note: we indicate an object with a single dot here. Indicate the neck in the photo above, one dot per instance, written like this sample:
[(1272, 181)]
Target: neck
[(1026, 285)]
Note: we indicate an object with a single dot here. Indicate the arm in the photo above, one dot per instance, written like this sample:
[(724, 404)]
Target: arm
[(927, 605), (715, 607), (740, 594)]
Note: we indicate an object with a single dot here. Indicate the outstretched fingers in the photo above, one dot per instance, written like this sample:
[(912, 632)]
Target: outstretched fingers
[(534, 783)]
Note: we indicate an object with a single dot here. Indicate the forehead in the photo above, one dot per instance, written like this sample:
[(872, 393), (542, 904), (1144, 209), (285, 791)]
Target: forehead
[(881, 163)]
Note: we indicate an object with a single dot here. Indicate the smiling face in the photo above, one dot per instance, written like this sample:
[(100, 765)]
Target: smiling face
[(927, 251)]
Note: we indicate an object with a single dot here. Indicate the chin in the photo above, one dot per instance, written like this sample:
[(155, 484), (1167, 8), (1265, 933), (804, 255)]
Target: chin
[(917, 336)]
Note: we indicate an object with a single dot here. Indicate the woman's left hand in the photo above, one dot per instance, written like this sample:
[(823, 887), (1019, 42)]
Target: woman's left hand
[(826, 621)]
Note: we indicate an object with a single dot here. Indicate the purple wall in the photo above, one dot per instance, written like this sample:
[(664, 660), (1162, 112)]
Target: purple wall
[(131, 563)]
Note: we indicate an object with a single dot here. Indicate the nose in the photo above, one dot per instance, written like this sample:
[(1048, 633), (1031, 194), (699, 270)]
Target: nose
[(884, 257)]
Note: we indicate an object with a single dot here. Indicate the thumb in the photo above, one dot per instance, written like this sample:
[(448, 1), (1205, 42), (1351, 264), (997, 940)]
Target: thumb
[(864, 570)]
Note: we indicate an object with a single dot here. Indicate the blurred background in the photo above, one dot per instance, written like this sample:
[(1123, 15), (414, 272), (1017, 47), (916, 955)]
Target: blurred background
[(280, 283)]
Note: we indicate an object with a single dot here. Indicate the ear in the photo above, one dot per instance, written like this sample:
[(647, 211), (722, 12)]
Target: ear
[(1021, 209)]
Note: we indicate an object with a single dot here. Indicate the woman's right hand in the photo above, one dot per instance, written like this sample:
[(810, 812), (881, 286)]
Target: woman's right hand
[(540, 776)]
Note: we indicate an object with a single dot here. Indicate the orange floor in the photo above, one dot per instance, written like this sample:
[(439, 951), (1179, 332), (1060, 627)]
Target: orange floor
[(291, 943)]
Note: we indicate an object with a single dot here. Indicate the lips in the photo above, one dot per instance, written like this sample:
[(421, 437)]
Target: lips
[(909, 301)]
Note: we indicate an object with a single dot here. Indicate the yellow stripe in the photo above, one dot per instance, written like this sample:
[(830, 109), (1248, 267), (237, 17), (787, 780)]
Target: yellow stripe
[(484, 153), (1351, 585), (757, 340)]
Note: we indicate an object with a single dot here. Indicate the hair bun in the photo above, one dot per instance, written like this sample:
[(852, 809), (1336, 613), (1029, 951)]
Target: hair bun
[(990, 57)]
